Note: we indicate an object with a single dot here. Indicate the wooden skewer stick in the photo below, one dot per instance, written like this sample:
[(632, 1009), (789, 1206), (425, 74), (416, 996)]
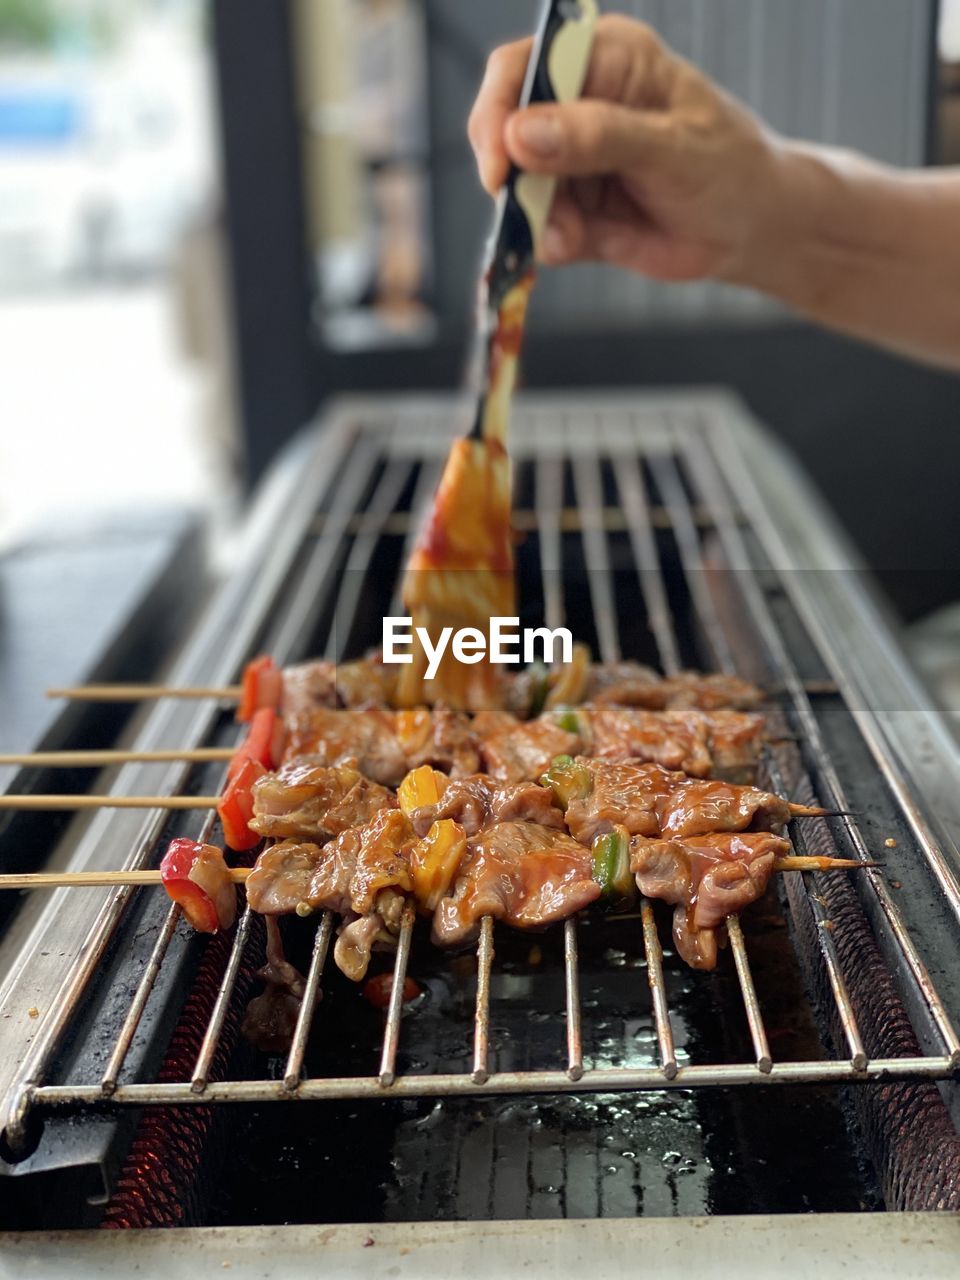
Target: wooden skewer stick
[(95, 879), (141, 692), (98, 759), (814, 811), (108, 802), (100, 879)]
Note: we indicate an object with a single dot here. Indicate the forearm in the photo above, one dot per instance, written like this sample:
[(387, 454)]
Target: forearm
[(864, 249)]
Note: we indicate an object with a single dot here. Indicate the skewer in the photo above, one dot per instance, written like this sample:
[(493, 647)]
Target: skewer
[(67, 802), (814, 811), (96, 879), (101, 879), (140, 692), (101, 759)]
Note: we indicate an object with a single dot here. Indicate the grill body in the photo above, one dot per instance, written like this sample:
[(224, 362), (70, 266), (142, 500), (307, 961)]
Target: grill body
[(665, 528)]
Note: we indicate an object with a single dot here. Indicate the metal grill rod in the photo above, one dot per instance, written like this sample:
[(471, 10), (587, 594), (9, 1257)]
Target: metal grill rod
[(572, 976), (588, 487), (391, 1035), (601, 1080), (644, 546), (384, 501), (664, 469), (658, 994), (211, 1038), (758, 1032), (548, 496), (311, 994), (481, 1021)]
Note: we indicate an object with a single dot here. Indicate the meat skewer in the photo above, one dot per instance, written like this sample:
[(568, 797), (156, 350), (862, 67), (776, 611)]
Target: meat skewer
[(240, 875), (650, 801), (327, 684)]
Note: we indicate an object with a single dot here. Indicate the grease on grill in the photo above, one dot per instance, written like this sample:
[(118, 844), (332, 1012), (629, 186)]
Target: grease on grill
[(675, 1152)]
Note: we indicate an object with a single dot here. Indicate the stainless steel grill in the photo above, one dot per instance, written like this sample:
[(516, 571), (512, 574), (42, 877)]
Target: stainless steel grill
[(692, 538)]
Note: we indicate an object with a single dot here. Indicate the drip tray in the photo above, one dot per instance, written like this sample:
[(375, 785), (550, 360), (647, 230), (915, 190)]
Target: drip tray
[(670, 1153)]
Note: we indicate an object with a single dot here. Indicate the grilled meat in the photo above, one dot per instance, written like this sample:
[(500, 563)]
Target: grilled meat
[(355, 943), (330, 684), (364, 735), (362, 875), (306, 800), (478, 802), (651, 801), (440, 737), (674, 739), (518, 872), (697, 743), (630, 684), (346, 875), (271, 1017), (707, 878), (384, 745), (519, 751)]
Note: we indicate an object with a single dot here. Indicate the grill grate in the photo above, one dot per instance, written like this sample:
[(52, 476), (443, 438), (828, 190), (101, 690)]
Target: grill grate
[(666, 529)]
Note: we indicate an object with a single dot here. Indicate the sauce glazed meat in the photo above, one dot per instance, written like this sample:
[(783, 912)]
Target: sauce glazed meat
[(697, 743), (306, 800), (648, 800), (384, 745), (524, 693), (707, 878), (518, 872)]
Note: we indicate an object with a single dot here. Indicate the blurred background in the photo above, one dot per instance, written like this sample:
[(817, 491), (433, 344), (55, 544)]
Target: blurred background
[(213, 216)]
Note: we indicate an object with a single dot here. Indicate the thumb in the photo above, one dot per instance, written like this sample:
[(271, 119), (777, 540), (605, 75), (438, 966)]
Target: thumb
[(587, 137)]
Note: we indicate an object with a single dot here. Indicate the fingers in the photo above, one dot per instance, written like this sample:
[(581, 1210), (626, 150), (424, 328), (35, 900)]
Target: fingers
[(576, 139), (497, 98)]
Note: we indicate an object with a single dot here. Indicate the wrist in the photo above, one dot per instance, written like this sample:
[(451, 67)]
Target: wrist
[(793, 185)]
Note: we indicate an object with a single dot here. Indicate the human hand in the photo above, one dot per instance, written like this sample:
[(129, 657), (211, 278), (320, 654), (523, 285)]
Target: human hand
[(660, 171)]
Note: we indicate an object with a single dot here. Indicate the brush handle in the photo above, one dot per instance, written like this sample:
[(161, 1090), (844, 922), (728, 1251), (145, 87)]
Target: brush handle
[(556, 72)]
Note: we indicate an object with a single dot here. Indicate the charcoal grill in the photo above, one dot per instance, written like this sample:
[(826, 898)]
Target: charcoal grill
[(668, 528)]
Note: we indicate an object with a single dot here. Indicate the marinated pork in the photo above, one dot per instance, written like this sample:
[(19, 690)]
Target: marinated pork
[(384, 745), (478, 802), (306, 800), (630, 684), (652, 801), (271, 1017), (707, 878), (519, 751), (518, 872), (320, 684), (697, 743)]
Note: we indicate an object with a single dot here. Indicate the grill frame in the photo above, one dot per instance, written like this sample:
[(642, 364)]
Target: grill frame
[(692, 427)]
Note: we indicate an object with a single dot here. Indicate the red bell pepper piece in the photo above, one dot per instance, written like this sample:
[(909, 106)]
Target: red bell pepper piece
[(236, 806), (261, 686), (377, 990), (263, 743), (196, 876)]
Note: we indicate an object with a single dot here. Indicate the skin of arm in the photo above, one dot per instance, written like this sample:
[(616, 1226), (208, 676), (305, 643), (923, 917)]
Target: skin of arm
[(663, 173)]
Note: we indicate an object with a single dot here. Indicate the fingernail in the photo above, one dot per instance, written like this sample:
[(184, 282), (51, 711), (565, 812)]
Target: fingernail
[(554, 244), (541, 133)]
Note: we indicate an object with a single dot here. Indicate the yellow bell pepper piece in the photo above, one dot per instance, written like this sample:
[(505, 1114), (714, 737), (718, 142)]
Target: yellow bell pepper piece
[(420, 787), (434, 861)]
